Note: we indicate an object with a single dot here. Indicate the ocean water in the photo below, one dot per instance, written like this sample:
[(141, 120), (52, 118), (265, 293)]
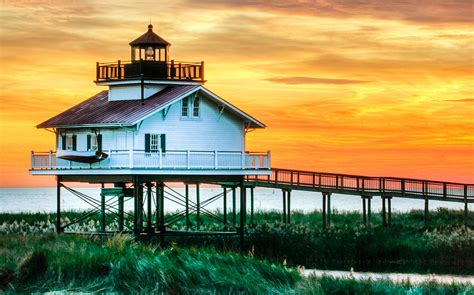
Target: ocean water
[(16, 200)]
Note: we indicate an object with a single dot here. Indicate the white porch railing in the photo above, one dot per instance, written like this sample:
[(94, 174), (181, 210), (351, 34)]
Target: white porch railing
[(197, 160)]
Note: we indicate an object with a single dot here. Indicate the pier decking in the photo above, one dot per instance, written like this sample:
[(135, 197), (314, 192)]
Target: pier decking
[(365, 185)]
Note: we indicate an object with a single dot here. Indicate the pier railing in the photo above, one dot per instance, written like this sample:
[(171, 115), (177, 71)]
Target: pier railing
[(365, 185), (129, 159)]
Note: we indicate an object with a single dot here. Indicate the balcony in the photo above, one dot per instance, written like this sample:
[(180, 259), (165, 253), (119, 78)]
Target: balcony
[(159, 161), (151, 70)]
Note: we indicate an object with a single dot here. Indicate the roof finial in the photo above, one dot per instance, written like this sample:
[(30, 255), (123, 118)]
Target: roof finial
[(150, 26)]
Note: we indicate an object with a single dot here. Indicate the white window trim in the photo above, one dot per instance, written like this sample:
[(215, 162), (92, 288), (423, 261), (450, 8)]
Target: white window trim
[(155, 142)]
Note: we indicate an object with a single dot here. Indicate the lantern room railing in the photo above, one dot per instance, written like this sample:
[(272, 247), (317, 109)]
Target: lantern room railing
[(153, 70)]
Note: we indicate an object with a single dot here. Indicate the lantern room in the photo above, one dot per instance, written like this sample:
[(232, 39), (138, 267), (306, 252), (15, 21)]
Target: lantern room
[(150, 61), (150, 47)]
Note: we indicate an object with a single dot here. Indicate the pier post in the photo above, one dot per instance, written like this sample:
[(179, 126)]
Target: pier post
[(234, 215), (198, 207), (324, 210), (426, 211), (243, 213), (135, 207), (102, 211), (384, 212), (186, 197), (58, 204), (160, 199), (389, 210), (369, 211), (121, 200), (364, 211), (288, 203), (284, 205), (328, 203), (251, 205), (224, 198), (140, 207), (465, 206), (149, 212)]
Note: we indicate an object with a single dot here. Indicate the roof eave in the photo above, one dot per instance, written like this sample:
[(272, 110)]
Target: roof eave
[(92, 125)]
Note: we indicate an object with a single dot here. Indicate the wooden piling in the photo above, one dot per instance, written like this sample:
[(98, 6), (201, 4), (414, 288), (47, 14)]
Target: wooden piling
[(284, 205), (149, 210), (328, 204), (234, 215), (389, 200), (224, 198), (251, 206), (288, 203), (198, 207), (121, 200), (58, 204), (369, 211), (384, 211), (186, 197), (243, 213), (324, 210), (364, 211)]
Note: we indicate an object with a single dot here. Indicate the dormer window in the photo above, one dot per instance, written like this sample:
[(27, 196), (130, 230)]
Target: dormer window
[(196, 107), (185, 107), (190, 107)]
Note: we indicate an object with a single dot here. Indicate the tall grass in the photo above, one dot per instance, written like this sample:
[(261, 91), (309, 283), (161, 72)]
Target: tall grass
[(406, 246), (47, 262)]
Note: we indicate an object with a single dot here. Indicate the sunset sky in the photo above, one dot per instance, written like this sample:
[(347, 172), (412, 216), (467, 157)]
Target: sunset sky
[(362, 87)]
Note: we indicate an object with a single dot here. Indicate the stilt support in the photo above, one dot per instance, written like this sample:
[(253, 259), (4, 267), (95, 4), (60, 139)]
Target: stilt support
[(234, 214), (326, 209), (243, 213), (252, 206), (186, 201), (224, 205), (149, 213), (284, 205), (198, 207), (58, 204)]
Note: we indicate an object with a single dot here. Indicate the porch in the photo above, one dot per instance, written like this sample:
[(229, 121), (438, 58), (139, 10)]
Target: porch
[(138, 160)]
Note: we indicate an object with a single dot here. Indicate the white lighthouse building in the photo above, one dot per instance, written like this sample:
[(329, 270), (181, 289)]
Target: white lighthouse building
[(155, 118), (156, 123)]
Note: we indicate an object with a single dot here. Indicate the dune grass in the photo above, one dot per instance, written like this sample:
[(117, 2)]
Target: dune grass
[(406, 246), (48, 262)]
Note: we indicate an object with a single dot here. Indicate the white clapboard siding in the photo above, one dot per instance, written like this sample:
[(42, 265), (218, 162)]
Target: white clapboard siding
[(211, 131)]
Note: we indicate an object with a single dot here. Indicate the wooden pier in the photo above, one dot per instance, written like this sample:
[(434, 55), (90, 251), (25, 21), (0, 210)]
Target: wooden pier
[(364, 186)]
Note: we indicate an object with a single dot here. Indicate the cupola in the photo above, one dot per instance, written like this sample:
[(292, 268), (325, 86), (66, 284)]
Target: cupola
[(150, 47)]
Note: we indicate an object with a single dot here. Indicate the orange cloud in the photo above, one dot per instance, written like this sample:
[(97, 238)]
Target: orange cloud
[(373, 88)]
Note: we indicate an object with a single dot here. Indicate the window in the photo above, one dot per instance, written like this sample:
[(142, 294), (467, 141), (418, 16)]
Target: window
[(184, 107), (196, 107), (94, 143), (190, 107), (154, 143), (69, 142)]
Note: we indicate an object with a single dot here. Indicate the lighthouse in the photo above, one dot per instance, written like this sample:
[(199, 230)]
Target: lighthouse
[(155, 123)]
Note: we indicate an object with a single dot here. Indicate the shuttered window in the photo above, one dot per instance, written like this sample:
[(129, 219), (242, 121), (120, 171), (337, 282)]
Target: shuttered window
[(70, 142), (154, 142), (93, 142)]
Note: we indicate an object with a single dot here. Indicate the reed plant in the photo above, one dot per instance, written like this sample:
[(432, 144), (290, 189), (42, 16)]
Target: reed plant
[(117, 265)]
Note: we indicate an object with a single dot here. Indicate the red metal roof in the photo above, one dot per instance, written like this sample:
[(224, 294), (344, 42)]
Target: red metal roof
[(149, 38), (99, 110)]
